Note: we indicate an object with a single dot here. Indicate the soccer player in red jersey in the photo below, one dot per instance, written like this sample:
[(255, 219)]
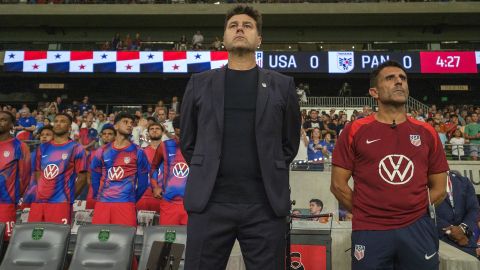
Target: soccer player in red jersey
[(399, 170), (14, 171), (170, 186), (107, 135), (148, 201), (60, 170)]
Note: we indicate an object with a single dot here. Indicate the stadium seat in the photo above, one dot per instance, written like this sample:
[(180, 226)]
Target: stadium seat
[(39, 246), (2, 232), (157, 233), (103, 247)]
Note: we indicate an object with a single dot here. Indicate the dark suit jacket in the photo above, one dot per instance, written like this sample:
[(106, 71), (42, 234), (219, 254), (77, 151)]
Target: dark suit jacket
[(277, 129), (466, 211)]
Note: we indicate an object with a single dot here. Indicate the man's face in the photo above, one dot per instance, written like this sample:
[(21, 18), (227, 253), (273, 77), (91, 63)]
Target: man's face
[(171, 115), (155, 133), (314, 115), (124, 126), (5, 123), (108, 136), (89, 123), (161, 115), (474, 118), (46, 135), (101, 117), (392, 87), (61, 125), (241, 34), (315, 209)]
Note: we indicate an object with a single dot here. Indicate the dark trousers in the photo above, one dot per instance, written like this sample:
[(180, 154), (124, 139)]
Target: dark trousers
[(212, 233)]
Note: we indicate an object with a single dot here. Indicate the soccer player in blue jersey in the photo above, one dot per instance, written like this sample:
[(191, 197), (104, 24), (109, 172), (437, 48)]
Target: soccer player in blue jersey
[(124, 168), (60, 170), (14, 171)]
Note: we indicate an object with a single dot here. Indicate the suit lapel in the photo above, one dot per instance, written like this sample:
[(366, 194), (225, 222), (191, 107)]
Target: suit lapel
[(218, 96), (263, 90)]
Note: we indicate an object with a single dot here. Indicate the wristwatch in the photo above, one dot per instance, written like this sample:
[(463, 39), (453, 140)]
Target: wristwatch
[(466, 230)]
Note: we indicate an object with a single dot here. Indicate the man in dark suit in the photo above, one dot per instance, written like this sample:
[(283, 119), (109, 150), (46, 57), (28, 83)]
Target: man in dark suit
[(240, 131), (457, 215)]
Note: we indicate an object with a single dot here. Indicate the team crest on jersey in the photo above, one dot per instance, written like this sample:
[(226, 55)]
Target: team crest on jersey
[(51, 171), (359, 252), (126, 160), (6, 154), (415, 140), (64, 156), (181, 170)]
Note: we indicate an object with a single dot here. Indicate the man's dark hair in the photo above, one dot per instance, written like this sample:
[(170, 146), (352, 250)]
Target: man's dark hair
[(66, 115), (10, 114), (374, 74), (176, 122), (155, 124), (151, 118), (122, 115), (45, 128), (247, 10), (108, 126), (317, 202)]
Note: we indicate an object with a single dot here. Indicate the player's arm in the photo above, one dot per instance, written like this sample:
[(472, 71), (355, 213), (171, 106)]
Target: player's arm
[(96, 172), (154, 175), (471, 205), (143, 169), (292, 122), (437, 185), (188, 122), (31, 128), (80, 183), (25, 168), (339, 186)]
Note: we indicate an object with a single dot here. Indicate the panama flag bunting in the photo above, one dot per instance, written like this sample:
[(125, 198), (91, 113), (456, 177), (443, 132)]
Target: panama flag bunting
[(151, 62), (58, 61), (13, 61), (218, 59), (35, 61), (105, 61), (81, 61), (128, 62), (198, 61), (175, 62)]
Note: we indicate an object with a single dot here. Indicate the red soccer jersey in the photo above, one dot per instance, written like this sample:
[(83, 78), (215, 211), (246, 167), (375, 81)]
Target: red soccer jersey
[(14, 170), (150, 153), (390, 168)]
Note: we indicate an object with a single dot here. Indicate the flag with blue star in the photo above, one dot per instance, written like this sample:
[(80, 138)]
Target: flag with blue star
[(151, 62), (58, 61), (104, 61), (13, 61), (198, 61)]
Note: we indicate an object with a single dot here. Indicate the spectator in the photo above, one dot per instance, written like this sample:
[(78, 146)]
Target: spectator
[(140, 133), (84, 106), (175, 105), (197, 41), (137, 42), (26, 125), (115, 41), (328, 144), (472, 133), (182, 44), (216, 44), (127, 42), (316, 207), (457, 215), (100, 121), (88, 135), (313, 122), (457, 142), (171, 115), (452, 125), (441, 134), (296, 213), (315, 149)]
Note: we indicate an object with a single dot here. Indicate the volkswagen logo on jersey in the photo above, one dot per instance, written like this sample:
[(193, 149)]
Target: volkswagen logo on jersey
[(6, 154), (115, 173), (64, 156), (181, 170), (51, 171), (126, 160), (396, 169), (415, 140)]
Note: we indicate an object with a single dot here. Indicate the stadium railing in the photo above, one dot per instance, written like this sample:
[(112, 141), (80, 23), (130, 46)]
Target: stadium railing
[(208, 1)]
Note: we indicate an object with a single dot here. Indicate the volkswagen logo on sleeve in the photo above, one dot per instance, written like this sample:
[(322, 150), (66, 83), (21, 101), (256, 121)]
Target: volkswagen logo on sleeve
[(396, 169)]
